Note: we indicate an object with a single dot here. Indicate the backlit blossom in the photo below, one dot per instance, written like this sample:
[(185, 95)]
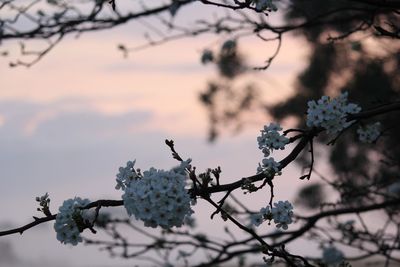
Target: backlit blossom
[(271, 139), (159, 197), (70, 219), (281, 213), (330, 113)]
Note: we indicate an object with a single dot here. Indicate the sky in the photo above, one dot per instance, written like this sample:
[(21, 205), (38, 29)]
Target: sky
[(69, 122)]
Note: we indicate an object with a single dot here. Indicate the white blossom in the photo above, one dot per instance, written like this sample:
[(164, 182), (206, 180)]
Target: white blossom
[(159, 198), (256, 219), (369, 133), (330, 114), (265, 212), (69, 219), (183, 166), (281, 214), (269, 167), (270, 139), (126, 175)]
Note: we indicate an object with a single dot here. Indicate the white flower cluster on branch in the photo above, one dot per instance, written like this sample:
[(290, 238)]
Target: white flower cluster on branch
[(70, 220), (281, 214), (126, 175), (269, 166), (270, 139), (330, 113), (158, 197)]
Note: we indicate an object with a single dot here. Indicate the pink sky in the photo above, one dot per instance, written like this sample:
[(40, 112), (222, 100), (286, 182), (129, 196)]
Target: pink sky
[(69, 122)]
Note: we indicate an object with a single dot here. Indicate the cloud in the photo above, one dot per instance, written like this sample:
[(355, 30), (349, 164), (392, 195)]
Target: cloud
[(90, 125), (22, 119), (162, 67), (65, 149)]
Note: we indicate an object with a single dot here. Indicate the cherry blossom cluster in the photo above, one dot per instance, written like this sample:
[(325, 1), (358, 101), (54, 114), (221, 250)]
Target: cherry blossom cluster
[(126, 175), (70, 220), (158, 197), (264, 5), (270, 139), (269, 167), (281, 214), (369, 133), (330, 113)]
